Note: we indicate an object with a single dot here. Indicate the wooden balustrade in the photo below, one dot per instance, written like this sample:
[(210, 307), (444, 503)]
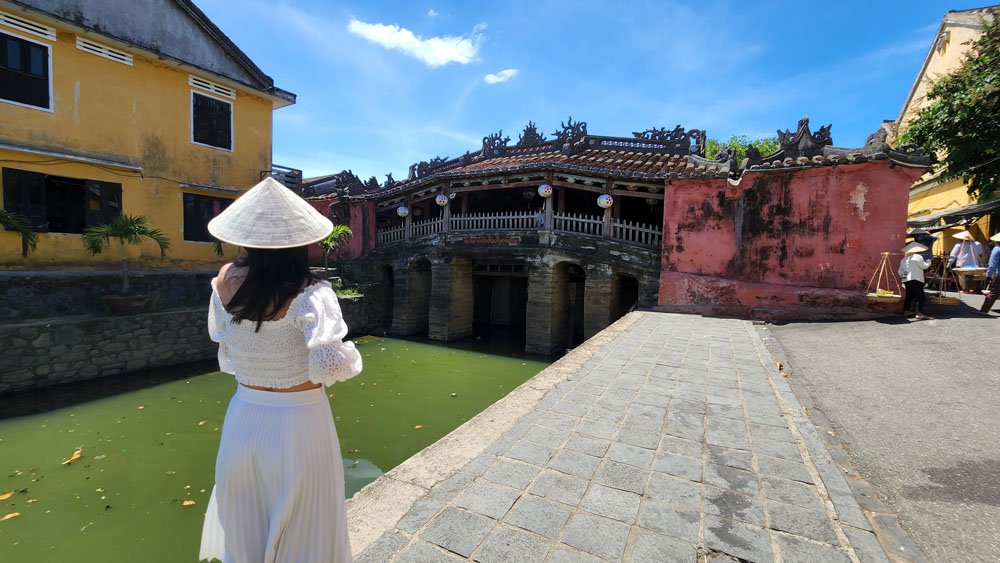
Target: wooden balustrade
[(636, 233), (623, 230)]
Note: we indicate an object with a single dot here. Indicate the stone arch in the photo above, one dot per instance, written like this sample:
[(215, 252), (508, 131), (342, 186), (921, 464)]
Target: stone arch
[(624, 295), (568, 301)]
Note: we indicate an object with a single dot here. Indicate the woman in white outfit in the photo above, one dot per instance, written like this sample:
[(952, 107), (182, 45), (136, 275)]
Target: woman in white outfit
[(911, 269), (279, 476)]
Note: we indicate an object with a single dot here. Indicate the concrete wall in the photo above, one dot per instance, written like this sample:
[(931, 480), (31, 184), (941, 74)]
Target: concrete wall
[(788, 243), (52, 351), (35, 295)]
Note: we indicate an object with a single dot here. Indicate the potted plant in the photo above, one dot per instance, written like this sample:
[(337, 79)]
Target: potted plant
[(17, 222), (124, 229), (338, 237)]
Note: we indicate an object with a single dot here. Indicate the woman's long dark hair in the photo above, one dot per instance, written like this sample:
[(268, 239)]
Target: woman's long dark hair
[(274, 277)]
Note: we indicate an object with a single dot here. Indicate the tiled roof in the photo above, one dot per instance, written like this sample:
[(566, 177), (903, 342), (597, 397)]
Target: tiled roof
[(649, 157)]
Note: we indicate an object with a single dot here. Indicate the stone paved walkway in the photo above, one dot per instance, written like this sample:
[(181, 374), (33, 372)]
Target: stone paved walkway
[(677, 440)]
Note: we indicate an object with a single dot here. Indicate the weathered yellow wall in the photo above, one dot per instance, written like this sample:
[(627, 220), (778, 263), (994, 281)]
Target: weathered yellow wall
[(947, 195), (141, 115), (942, 61)]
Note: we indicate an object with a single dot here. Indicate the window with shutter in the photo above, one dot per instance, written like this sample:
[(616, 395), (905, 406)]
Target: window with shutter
[(211, 121), (198, 211), (58, 204), (24, 71)]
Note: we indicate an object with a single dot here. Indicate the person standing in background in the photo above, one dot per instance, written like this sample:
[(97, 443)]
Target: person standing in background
[(992, 275), (965, 254), (911, 269)]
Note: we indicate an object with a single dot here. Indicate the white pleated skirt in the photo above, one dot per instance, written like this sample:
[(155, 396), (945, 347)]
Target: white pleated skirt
[(279, 482)]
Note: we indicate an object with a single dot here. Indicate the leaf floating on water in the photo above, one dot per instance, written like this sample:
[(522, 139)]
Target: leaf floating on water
[(76, 455), (418, 427), (9, 516), (188, 503), (5, 496), (202, 423), (454, 394), (141, 407), (32, 500)]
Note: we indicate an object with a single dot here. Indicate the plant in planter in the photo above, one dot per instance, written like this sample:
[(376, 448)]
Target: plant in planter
[(333, 243), (124, 229), (17, 222)]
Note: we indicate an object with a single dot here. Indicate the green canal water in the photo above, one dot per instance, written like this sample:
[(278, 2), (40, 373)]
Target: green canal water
[(146, 453)]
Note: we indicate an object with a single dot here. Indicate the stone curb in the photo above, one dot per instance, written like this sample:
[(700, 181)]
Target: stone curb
[(897, 545), (377, 508)]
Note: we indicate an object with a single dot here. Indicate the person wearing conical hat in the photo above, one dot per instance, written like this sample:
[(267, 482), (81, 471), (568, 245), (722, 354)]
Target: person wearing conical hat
[(966, 254), (992, 275), (279, 475), (911, 270)]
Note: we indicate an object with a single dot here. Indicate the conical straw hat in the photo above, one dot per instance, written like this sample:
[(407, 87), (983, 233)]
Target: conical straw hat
[(995, 237), (269, 215), (964, 235), (914, 248)]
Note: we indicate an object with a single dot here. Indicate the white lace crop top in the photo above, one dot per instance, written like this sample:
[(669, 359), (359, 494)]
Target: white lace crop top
[(307, 344)]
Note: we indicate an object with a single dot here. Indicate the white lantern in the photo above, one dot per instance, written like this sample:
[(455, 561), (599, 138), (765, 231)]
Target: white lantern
[(441, 200), (545, 190), (402, 211), (605, 201)]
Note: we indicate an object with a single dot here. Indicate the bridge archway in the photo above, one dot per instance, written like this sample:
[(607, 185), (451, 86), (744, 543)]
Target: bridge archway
[(568, 301), (624, 295)]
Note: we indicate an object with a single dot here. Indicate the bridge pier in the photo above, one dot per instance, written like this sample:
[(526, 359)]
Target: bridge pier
[(597, 307), (411, 294), (542, 333), (451, 303)]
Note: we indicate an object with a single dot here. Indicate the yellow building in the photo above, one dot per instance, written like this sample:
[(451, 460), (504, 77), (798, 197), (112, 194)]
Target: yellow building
[(144, 108), (945, 206)]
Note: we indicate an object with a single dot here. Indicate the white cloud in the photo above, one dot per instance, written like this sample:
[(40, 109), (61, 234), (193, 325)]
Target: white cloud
[(434, 52), (431, 13), (502, 76)]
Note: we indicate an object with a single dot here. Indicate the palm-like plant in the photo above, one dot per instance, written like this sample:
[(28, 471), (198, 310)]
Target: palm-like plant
[(338, 237), (125, 229), (19, 223)]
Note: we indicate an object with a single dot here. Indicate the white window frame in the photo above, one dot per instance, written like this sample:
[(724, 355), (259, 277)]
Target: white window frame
[(48, 48), (232, 120)]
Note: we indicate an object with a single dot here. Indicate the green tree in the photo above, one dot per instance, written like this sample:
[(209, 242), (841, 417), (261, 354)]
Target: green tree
[(19, 223), (738, 146), (338, 237), (125, 229), (961, 124)]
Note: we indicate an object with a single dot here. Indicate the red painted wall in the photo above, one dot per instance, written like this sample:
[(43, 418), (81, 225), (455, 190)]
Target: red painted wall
[(783, 243), (360, 217)]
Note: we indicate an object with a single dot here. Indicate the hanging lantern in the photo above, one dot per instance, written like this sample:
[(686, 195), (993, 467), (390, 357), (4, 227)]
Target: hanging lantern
[(545, 190), (402, 211), (441, 200), (605, 201)]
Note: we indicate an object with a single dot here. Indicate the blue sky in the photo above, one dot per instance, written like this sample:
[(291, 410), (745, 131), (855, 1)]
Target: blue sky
[(382, 85)]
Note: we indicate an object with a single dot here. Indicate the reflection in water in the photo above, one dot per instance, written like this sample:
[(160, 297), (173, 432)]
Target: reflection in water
[(149, 443)]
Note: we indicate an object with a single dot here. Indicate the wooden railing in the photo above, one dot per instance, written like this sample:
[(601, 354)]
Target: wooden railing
[(636, 233), (392, 234), (578, 223), (631, 232), (509, 221), (426, 227)]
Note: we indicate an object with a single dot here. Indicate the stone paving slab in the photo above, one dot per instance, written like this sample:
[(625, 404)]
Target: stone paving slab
[(675, 438)]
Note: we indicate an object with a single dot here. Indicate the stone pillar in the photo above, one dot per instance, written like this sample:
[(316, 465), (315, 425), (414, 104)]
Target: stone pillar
[(411, 294), (546, 331), (451, 300), (597, 303)]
